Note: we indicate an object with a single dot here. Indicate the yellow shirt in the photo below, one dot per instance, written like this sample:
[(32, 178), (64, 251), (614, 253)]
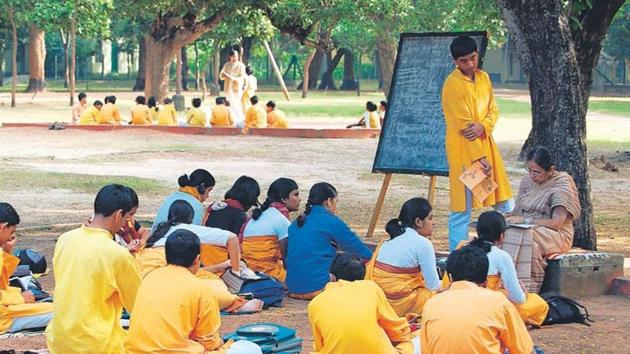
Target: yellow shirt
[(196, 117), (109, 114), (471, 319), (221, 116), (90, 116), (256, 117), (167, 115), (154, 113), (94, 279), (184, 319), (355, 317), (465, 102), (77, 109), (277, 119), (140, 114)]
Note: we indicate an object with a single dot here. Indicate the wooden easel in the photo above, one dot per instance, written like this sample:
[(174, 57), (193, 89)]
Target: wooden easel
[(381, 198)]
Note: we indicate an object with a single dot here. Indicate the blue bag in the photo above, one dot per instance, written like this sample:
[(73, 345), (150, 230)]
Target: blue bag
[(267, 289), (271, 337)]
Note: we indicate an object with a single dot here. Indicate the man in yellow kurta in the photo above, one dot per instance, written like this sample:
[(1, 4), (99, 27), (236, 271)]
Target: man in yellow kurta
[(167, 114), (221, 114), (468, 318), (95, 278), (352, 315), (110, 114), (275, 117), (17, 308), (184, 319), (196, 117), (91, 115), (471, 114), (140, 113), (256, 116)]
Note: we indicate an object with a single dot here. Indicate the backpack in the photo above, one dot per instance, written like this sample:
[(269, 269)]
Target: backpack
[(564, 310), (271, 337), (261, 286), (35, 260)]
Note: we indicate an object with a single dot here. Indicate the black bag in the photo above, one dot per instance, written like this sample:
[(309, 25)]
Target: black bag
[(35, 260), (564, 310)]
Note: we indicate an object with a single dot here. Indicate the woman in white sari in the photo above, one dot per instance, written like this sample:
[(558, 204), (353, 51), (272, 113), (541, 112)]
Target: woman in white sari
[(233, 74)]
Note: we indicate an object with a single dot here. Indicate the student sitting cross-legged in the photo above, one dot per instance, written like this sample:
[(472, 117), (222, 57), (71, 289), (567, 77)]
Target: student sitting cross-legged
[(275, 117), (256, 116), (468, 318), (183, 319), (91, 115), (313, 241), (167, 115), (352, 315), (404, 266), (222, 115), (196, 117)]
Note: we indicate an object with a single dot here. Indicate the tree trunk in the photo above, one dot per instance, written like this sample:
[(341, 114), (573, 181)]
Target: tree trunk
[(247, 44), (36, 59), (185, 69), (13, 55), (349, 83), (64, 43), (158, 60), (178, 72), (216, 65), (197, 77), (328, 82), (142, 60), (377, 66), (386, 58), (72, 69), (3, 50), (307, 65)]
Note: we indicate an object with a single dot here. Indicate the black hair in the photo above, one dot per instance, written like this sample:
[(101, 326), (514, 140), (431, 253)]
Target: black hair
[(249, 70), (112, 99), (232, 51), (462, 45), (182, 248), (220, 100), (134, 197), (254, 100), (152, 102), (271, 104), (106, 100), (196, 102), (246, 190), (278, 190), (226, 101), (384, 104), (82, 95), (168, 101), (200, 178), (347, 267), (113, 197), (140, 100), (98, 103), (8, 214), (542, 157), (411, 210), (490, 226), (370, 106), (468, 263), (319, 193), (180, 212)]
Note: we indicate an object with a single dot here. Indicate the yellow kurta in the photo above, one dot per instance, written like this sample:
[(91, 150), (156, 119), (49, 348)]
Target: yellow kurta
[(140, 115), (355, 317), (184, 319), (473, 318), (12, 303), (464, 102), (167, 115), (154, 113), (373, 121), (277, 119), (221, 116), (196, 117), (262, 254), (110, 114), (94, 279), (90, 116), (249, 91), (256, 117)]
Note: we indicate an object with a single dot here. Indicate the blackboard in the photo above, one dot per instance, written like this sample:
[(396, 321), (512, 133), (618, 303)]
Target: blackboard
[(412, 136)]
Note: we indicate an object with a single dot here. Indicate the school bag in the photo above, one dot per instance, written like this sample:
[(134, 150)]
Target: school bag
[(564, 310), (33, 259), (23, 279), (271, 337), (255, 284)]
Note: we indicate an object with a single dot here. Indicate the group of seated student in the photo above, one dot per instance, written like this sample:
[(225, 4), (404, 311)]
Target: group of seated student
[(373, 117)]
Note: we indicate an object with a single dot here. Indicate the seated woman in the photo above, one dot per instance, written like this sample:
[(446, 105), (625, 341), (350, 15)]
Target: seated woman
[(313, 241), (548, 199), (501, 271), (180, 216), (194, 189), (230, 214), (265, 234), (404, 266)]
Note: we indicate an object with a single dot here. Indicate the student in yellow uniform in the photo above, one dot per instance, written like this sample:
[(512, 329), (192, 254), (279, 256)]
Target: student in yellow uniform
[(275, 117), (352, 315), (222, 115), (167, 114), (18, 310), (256, 116), (468, 318), (196, 117), (371, 118), (140, 113), (184, 319), (94, 279), (471, 114), (110, 113), (153, 107), (79, 107), (92, 115)]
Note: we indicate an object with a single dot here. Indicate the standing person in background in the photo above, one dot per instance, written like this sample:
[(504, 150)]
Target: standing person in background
[(92, 115), (233, 74), (471, 114), (196, 117), (79, 107), (275, 117), (152, 104), (140, 113), (110, 113), (251, 86), (167, 114)]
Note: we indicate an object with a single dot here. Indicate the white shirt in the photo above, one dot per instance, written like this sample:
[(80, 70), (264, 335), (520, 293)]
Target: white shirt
[(207, 235), (271, 222), (501, 263)]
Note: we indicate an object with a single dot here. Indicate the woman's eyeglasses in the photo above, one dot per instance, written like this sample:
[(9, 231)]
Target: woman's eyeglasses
[(534, 172)]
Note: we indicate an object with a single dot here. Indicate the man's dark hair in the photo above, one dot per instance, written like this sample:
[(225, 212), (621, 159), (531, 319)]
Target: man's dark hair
[(196, 102), (347, 267), (98, 103), (113, 197), (8, 214), (182, 247), (468, 263), (220, 100), (254, 100), (271, 104), (462, 45), (82, 95)]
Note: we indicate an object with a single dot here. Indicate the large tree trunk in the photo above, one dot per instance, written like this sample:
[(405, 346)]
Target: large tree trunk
[(349, 82), (64, 43), (314, 69), (72, 68), (328, 82), (159, 57), (247, 44), (36, 59), (197, 77), (185, 69), (560, 70), (386, 49), (13, 55), (142, 60), (3, 50), (307, 65)]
